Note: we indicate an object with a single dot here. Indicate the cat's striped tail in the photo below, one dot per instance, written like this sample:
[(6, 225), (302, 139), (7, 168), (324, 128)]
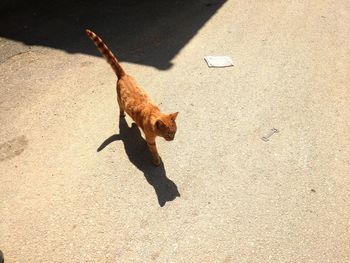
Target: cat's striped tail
[(107, 53)]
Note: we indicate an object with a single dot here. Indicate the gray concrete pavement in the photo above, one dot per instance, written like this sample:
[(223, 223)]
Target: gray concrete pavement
[(241, 199)]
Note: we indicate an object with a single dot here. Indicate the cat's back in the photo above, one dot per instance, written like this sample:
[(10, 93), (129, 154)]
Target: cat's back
[(127, 84), (131, 95)]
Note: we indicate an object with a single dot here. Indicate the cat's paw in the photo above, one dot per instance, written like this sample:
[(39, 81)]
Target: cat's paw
[(157, 162)]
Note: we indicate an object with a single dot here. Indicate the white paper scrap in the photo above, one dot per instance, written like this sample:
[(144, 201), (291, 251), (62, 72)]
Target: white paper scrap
[(218, 61)]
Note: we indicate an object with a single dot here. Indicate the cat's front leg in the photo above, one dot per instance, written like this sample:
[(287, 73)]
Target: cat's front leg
[(151, 142)]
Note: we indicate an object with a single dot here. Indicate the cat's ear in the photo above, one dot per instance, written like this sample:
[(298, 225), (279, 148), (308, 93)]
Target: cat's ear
[(159, 124), (173, 115)]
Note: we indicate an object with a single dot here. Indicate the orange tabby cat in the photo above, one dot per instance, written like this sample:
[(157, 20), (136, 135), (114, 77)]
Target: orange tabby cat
[(137, 105)]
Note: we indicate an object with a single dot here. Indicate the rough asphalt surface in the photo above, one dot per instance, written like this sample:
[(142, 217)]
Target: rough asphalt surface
[(77, 185)]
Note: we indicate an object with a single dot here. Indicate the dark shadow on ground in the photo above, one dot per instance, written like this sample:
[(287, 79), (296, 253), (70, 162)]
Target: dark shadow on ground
[(138, 153), (144, 32)]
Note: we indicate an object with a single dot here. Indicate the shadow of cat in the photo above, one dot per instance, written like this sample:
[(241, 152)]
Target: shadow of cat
[(138, 153)]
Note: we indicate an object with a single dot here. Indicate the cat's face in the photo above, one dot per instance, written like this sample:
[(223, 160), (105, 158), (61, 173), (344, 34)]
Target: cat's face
[(166, 126)]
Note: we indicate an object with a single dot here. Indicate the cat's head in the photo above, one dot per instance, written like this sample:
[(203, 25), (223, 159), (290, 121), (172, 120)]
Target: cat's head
[(165, 126)]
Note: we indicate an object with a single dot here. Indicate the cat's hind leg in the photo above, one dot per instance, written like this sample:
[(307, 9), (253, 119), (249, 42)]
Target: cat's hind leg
[(121, 109)]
